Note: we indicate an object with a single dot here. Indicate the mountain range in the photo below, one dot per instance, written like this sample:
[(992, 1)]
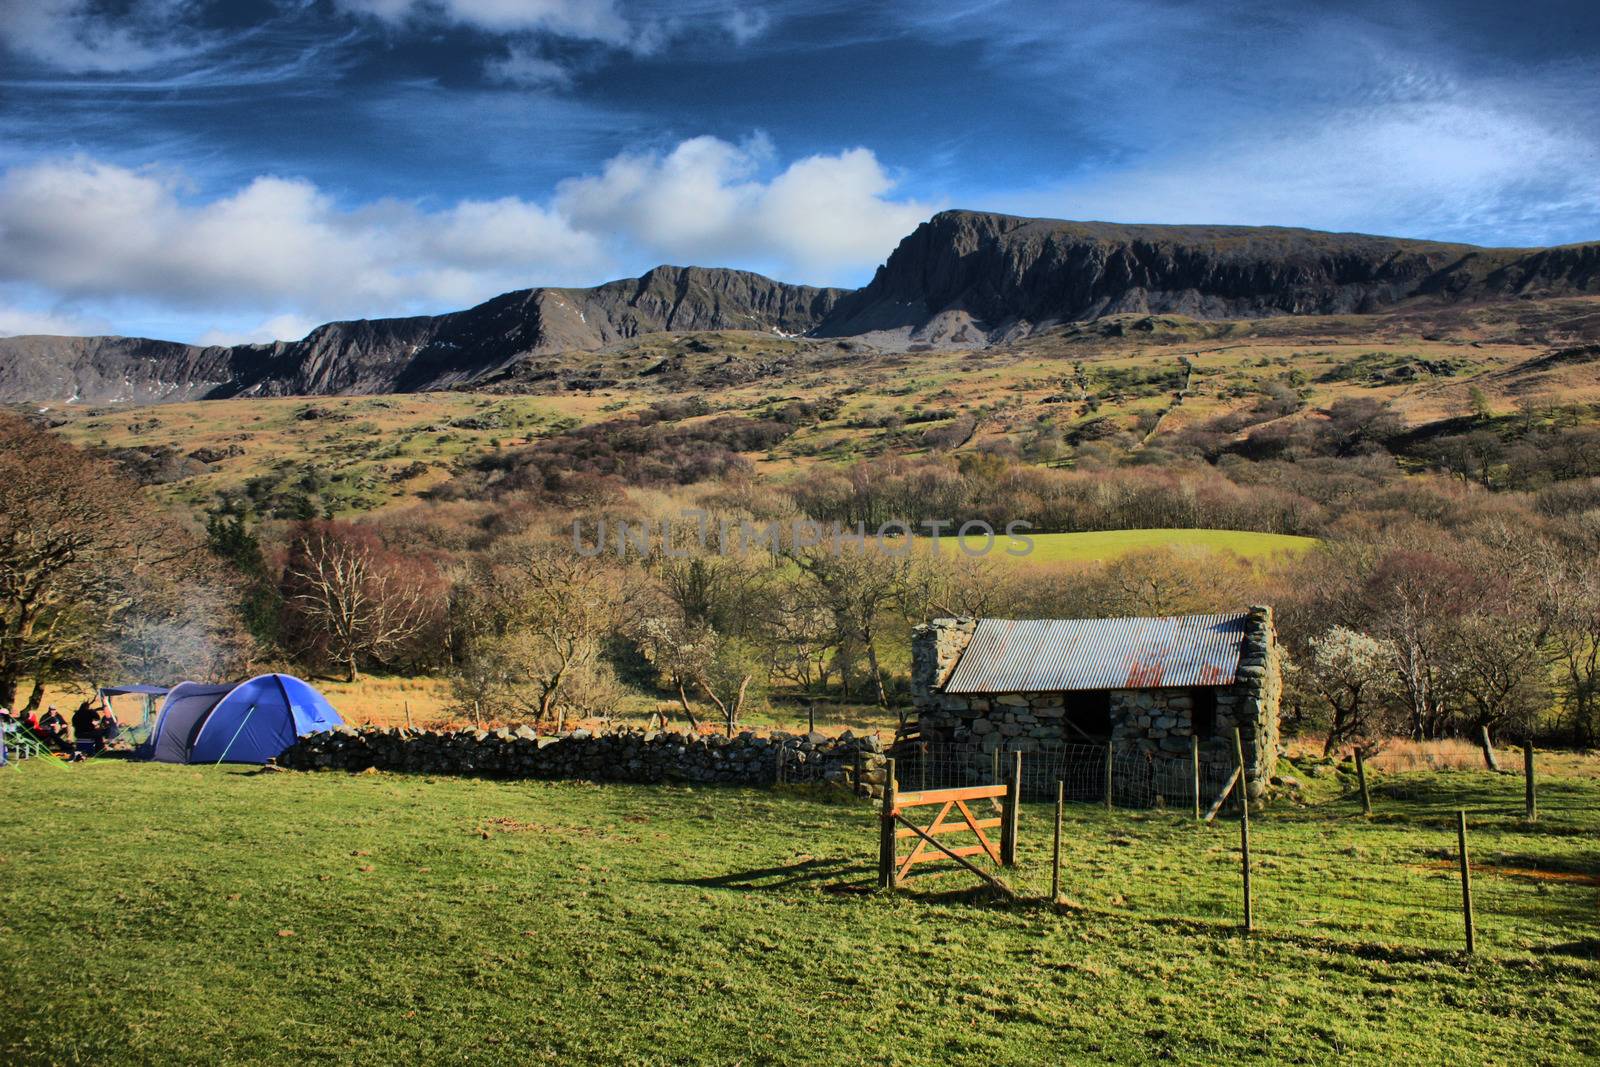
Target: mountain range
[(962, 278)]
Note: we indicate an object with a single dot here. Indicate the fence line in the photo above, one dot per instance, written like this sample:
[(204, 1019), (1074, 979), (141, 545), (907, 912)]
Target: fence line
[(1319, 868), (1137, 779)]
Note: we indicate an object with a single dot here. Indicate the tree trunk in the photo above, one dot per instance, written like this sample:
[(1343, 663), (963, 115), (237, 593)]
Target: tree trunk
[(877, 676), (738, 704), (1337, 729), (350, 673), (688, 712), (36, 697)]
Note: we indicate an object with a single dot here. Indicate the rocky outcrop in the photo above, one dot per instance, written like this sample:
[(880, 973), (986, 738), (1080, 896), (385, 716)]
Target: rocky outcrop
[(371, 356), (967, 277), (623, 756), (98, 369), (962, 278)]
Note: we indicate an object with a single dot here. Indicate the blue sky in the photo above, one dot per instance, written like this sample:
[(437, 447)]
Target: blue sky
[(244, 170)]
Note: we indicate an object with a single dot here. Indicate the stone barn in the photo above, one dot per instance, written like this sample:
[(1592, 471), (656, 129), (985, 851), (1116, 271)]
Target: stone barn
[(1139, 684)]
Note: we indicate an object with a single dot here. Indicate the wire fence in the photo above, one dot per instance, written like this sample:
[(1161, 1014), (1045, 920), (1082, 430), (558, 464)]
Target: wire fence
[(1137, 779), (1376, 866)]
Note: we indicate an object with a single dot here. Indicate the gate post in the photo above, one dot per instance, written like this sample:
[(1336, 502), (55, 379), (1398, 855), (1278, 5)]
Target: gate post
[(1244, 830), (1530, 804), (1008, 828), (888, 861)]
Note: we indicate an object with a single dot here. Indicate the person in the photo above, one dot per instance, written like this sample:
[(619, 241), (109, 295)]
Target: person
[(53, 729), (85, 731), (110, 728)]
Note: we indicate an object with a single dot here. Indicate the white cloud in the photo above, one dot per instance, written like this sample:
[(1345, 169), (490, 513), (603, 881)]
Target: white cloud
[(72, 35), (705, 202), (17, 321), (283, 253), (88, 229), (525, 66), (1447, 169), (746, 24), (592, 20), (277, 328)]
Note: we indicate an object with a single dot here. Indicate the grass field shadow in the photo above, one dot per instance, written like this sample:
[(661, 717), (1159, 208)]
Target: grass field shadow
[(840, 873)]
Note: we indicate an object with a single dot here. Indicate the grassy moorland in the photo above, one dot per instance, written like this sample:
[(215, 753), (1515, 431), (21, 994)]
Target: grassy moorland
[(1137, 380), (183, 915)]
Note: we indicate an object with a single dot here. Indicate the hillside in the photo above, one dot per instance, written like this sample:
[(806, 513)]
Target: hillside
[(365, 357), (963, 279), (1123, 386)]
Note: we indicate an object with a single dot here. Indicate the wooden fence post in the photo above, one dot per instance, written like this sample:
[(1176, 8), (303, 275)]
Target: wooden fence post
[(1194, 762), (888, 861), (1361, 780), (1488, 751), (922, 765), (1110, 749), (811, 717), (1244, 830), (1008, 828), (1055, 856), (1527, 785), (859, 786), (995, 773), (1466, 877), (408, 714)]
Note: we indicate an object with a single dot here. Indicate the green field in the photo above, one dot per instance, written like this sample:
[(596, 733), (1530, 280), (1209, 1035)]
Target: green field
[(182, 915), (1102, 545)]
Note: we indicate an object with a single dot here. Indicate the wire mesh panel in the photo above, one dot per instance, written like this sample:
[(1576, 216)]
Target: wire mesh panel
[(929, 765), (1138, 779)]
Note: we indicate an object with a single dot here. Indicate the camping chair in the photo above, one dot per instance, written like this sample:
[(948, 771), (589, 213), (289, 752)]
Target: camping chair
[(22, 743)]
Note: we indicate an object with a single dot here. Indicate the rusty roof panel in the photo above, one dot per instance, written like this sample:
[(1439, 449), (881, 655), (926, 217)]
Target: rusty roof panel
[(1055, 655)]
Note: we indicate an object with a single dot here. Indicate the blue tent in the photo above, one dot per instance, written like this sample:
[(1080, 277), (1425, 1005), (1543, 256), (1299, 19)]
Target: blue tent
[(251, 722)]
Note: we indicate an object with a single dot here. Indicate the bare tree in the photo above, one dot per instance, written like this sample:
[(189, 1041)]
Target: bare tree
[(863, 590), (352, 601), (715, 624), (1572, 602), (719, 667), (85, 562), (538, 615), (1166, 581)]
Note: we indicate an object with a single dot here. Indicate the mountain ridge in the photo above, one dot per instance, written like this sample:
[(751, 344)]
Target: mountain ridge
[(976, 277), (962, 278)]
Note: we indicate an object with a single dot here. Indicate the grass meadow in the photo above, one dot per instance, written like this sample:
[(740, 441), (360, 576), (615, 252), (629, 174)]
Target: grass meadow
[(1105, 545), (164, 914)]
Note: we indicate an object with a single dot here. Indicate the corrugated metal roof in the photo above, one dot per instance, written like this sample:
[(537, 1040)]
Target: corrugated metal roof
[(1053, 655)]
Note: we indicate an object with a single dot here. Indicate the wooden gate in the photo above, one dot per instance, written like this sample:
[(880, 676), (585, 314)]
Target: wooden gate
[(954, 816)]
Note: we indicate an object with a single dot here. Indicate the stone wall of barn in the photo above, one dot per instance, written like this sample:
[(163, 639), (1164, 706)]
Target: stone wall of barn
[(1158, 721)]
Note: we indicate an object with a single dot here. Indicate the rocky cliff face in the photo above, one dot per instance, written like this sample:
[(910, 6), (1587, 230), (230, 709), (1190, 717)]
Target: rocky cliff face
[(402, 355), (968, 277), (962, 278)]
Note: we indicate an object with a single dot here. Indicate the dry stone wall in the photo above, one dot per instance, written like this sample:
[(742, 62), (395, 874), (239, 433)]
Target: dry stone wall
[(621, 756)]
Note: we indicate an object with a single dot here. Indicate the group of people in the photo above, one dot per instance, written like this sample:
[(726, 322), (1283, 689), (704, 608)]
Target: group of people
[(92, 729)]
